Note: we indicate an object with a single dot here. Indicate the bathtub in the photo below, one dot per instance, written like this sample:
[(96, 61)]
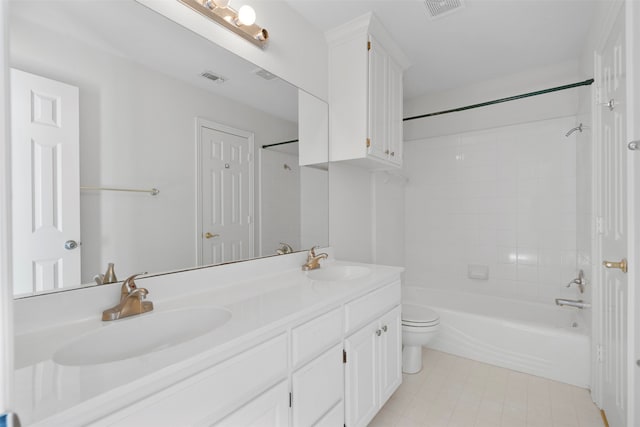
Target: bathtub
[(539, 339)]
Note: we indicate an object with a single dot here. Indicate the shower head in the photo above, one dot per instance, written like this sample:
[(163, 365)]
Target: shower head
[(579, 127)]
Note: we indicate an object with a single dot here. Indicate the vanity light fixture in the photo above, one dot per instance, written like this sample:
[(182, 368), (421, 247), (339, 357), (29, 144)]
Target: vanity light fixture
[(241, 22)]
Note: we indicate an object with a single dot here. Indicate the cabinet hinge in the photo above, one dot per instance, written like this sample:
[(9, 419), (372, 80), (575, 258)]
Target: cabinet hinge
[(368, 142), (344, 356), (369, 45), (290, 399), (599, 353)]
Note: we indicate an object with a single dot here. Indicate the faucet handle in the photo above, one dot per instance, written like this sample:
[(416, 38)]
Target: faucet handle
[(312, 251), (139, 292), (128, 285)]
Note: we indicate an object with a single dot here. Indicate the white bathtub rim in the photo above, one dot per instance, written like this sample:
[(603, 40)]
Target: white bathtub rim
[(582, 330)]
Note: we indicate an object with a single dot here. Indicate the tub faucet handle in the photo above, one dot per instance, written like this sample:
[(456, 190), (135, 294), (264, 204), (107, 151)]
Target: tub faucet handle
[(578, 281)]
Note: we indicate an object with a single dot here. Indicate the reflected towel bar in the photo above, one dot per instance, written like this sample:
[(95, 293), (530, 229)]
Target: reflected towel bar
[(153, 191)]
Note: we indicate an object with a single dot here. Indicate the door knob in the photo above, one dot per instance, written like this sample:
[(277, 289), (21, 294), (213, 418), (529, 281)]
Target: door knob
[(208, 235), (70, 245), (622, 265)]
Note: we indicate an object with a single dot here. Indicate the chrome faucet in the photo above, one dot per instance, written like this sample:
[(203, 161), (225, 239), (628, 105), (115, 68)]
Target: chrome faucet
[(285, 248), (572, 303), (313, 260), (578, 281), (131, 301)]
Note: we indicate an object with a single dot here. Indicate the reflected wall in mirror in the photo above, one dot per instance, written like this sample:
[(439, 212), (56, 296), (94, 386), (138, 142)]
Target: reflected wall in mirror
[(124, 85)]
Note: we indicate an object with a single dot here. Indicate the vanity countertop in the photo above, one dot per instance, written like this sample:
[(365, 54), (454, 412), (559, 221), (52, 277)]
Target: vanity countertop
[(261, 307)]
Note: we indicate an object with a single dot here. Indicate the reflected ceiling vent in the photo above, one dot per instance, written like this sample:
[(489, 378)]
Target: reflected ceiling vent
[(264, 74), (440, 8), (213, 77)]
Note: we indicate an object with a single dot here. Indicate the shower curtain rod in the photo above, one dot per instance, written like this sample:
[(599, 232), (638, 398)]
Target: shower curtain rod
[(280, 143), (498, 101)]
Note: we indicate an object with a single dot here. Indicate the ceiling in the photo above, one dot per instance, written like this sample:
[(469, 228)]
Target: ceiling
[(485, 39), (129, 30)]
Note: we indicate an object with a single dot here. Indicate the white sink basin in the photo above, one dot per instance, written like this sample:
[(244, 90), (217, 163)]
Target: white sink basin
[(334, 273), (136, 336)]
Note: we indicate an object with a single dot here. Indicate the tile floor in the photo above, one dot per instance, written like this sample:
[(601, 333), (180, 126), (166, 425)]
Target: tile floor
[(452, 391)]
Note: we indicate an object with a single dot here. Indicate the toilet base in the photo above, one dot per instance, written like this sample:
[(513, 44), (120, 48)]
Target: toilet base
[(411, 359)]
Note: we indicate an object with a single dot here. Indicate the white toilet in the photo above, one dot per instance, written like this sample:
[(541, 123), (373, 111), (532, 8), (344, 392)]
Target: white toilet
[(419, 326)]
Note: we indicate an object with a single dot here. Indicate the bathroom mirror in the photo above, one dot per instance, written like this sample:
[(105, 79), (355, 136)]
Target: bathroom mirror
[(149, 120)]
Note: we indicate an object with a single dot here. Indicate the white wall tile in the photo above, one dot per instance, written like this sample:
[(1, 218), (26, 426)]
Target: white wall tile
[(504, 197)]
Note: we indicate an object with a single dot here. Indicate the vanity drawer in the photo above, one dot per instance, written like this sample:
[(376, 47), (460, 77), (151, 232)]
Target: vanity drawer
[(333, 418), (317, 387), (212, 394), (362, 310), (309, 339)]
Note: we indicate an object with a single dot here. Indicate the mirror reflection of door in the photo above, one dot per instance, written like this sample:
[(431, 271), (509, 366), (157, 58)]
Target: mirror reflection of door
[(226, 193), (45, 183)]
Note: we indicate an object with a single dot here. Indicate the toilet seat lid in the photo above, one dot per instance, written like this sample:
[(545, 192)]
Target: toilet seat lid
[(418, 315)]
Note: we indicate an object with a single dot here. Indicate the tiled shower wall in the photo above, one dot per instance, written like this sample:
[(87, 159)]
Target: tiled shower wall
[(503, 198)]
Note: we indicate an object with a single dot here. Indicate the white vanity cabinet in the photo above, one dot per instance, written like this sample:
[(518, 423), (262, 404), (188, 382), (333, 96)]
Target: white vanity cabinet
[(317, 385), (365, 95), (373, 369), (248, 386), (268, 409), (315, 353)]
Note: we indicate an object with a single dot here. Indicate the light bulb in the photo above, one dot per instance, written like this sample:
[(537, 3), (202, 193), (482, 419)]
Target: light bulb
[(223, 4), (246, 15)]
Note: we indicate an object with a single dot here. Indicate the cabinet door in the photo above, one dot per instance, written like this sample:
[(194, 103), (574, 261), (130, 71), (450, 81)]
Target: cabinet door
[(317, 387), (395, 113), (390, 348), (378, 101), (361, 378), (270, 409)]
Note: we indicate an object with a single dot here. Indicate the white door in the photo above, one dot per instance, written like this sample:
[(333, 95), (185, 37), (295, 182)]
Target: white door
[(226, 194), (390, 354), (395, 113), (45, 183), (361, 376), (378, 101), (632, 10), (612, 211)]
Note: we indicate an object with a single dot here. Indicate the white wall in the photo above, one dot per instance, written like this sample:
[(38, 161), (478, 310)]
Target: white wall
[(137, 131), (296, 52), (388, 218), (279, 201), (350, 212), (314, 210), (505, 198), (556, 104)]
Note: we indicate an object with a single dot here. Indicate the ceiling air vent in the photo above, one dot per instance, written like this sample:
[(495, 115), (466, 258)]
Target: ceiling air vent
[(264, 74), (439, 8), (213, 77)]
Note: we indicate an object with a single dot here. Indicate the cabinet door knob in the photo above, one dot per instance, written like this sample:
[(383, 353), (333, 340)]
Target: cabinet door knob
[(378, 332), (386, 151), (384, 328), (393, 153)]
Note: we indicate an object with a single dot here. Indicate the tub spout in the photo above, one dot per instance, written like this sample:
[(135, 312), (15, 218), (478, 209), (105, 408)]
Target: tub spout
[(572, 303)]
